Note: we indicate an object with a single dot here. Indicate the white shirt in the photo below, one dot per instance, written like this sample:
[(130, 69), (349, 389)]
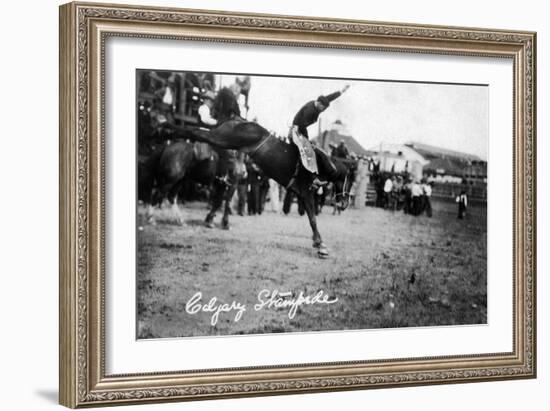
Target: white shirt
[(388, 186), (427, 190), (416, 190), (463, 198), (206, 117), (168, 97)]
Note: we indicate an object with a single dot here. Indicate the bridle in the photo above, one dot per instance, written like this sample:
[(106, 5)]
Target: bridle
[(346, 194)]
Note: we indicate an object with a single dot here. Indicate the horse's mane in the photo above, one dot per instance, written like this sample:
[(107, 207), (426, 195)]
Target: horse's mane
[(225, 105)]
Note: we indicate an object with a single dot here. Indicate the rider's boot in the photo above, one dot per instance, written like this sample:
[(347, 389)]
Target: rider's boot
[(317, 183)]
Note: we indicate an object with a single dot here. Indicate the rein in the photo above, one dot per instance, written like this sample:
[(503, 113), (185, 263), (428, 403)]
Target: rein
[(260, 145), (344, 192)]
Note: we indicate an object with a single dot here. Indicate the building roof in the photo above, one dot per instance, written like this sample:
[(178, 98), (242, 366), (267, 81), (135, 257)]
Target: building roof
[(399, 150), (430, 152), (447, 166), (335, 135)]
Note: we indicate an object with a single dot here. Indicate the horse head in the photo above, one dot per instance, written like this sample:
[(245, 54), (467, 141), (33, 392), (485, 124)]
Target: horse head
[(345, 177)]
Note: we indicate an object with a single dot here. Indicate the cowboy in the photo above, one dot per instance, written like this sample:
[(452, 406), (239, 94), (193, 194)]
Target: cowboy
[(305, 117), (205, 111), (342, 151)]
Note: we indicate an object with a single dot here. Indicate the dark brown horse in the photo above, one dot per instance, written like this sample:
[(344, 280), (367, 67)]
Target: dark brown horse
[(277, 159), (163, 174), (167, 159)]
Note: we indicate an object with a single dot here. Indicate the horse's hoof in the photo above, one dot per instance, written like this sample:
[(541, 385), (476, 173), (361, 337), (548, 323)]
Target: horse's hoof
[(226, 227), (316, 245), (322, 252), (209, 224)]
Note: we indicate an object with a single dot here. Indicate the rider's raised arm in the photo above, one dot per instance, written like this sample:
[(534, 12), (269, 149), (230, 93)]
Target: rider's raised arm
[(336, 94), (333, 96)]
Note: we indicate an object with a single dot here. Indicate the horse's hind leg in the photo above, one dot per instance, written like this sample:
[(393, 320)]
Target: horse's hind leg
[(177, 213)]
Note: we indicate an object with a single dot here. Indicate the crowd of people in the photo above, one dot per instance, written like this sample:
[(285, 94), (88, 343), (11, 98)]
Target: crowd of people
[(402, 192)]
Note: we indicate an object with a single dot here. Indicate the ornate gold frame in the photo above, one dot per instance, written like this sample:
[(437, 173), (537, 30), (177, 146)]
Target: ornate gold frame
[(83, 30)]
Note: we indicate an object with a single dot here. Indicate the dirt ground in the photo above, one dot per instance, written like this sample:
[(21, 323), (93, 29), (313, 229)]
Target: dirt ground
[(386, 269)]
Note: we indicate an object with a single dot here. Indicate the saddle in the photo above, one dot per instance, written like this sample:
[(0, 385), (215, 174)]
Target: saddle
[(305, 150)]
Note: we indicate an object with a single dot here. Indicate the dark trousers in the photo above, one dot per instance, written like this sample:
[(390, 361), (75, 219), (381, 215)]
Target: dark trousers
[(416, 205), (241, 196), (461, 210), (428, 206), (254, 198)]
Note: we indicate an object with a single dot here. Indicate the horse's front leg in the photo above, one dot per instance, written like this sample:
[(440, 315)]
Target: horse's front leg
[(227, 210), (309, 205)]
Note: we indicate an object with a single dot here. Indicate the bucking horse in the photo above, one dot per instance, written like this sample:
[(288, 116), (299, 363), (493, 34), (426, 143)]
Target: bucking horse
[(276, 158)]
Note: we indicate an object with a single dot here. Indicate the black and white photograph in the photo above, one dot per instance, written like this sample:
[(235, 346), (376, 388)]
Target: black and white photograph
[(283, 204)]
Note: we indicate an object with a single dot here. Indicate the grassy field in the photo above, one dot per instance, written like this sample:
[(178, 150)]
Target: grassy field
[(385, 269)]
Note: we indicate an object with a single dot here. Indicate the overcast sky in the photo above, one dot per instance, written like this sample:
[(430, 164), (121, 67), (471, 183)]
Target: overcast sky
[(444, 115)]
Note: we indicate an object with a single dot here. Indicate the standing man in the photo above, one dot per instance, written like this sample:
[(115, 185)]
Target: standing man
[(427, 187), (388, 186), (462, 201), (242, 188), (305, 117), (341, 151), (416, 194)]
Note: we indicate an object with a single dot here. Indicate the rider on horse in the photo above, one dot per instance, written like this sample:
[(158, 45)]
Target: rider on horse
[(305, 117)]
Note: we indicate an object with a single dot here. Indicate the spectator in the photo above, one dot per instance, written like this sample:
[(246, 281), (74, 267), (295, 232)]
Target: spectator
[(462, 201), (341, 151), (258, 188), (274, 195), (242, 190), (388, 186), (427, 206), (396, 193), (205, 111), (416, 196)]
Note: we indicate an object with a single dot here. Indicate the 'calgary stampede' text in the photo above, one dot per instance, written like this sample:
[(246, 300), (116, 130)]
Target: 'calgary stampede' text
[(267, 299)]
